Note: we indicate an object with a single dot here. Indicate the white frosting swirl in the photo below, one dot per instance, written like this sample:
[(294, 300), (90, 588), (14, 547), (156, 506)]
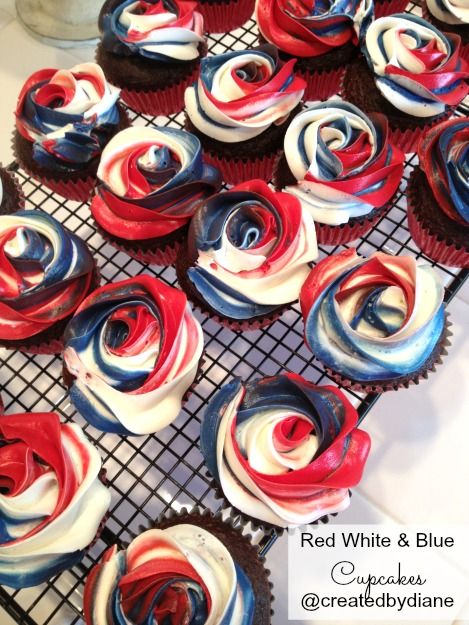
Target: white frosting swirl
[(454, 12)]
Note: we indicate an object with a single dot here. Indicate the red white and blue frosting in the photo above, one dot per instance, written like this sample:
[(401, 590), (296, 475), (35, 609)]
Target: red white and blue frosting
[(250, 248), (444, 157), (52, 501), (68, 115), (342, 160), (240, 94), (312, 28), (152, 181), (160, 30), (180, 575), (454, 12), (133, 348), (45, 273), (283, 450), (417, 68), (376, 318)]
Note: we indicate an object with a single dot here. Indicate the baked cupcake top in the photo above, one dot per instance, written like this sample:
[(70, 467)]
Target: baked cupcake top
[(181, 574), (152, 181), (417, 68), (241, 94), (160, 30), (454, 12), (312, 28), (133, 348), (249, 249), (283, 450), (376, 318), (67, 115), (52, 501), (46, 271), (444, 156), (342, 160)]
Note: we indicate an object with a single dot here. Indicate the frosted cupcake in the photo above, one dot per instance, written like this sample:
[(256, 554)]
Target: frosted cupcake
[(64, 118), (339, 163), (247, 255), (240, 108), (52, 500), (450, 16)]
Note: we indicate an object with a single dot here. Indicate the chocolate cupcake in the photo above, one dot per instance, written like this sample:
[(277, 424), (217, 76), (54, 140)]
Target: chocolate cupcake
[(64, 118), (151, 50), (377, 324), (324, 39), (46, 273), (406, 62), (438, 194), (247, 255), (191, 568), (283, 451), (240, 108), (449, 16), (132, 351), (339, 163), (11, 194), (52, 499), (151, 182)]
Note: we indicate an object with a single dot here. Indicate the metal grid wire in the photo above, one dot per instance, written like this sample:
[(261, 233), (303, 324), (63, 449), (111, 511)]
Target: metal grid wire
[(149, 475)]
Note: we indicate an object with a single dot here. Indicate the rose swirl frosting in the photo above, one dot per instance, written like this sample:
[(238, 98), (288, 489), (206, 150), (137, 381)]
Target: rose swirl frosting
[(342, 160), (67, 115), (161, 30), (251, 248), (376, 318), (307, 29), (455, 12), (45, 272), (182, 574), (283, 450), (152, 181), (52, 500), (417, 68), (133, 348), (240, 94), (444, 157)]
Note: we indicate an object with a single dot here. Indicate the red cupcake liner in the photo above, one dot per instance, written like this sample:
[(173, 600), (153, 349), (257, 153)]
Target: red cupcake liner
[(408, 139), (432, 246), (464, 52), (322, 85), (76, 190), (345, 233), (220, 17), (235, 171), (20, 201), (159, 102), (388, 7), (164, 256), (49, 348)]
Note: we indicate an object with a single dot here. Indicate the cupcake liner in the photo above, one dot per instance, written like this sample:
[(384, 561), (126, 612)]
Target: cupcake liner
[(407, 139), (221, 17), (322, 85), (9, 206), (388, 7), (235, 171), (433, 246), (382, 386), (345, 233), (159, 102)]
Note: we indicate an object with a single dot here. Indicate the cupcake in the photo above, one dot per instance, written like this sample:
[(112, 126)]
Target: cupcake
[(417, 76), (46, 273), (450, 16), (247, 255), (339, 163), (192, 568), (52, 498), (388, 7), (151, 180), (221, 16), (132, 351), (240, 108), (438, 194), (376, 323), (283, 451), (151, 49), (11, 194), (64, 118), (322, 36)]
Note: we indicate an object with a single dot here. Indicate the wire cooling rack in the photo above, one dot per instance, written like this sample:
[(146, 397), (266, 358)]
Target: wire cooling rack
[(149, 475)]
